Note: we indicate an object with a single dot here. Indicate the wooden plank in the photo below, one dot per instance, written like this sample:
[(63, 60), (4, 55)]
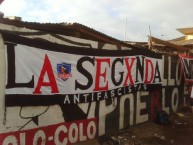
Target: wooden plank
[(174, 46)]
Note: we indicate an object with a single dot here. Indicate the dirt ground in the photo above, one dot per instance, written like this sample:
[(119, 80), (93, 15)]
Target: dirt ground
[(178, 132)]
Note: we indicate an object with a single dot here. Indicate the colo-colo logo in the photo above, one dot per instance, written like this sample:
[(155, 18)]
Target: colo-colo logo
[(138, 69)]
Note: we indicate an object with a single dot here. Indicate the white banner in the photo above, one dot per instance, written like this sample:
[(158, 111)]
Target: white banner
[(76, 78)]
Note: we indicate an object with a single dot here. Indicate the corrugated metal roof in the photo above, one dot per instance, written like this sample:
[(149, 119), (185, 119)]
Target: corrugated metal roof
[(183, 42), (68, 29), (171, 45)]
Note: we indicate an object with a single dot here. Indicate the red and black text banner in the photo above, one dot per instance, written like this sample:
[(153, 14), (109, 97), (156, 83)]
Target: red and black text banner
[(43, 73)]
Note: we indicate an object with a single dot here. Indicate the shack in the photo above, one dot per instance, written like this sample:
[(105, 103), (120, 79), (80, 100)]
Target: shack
[(66, 83)]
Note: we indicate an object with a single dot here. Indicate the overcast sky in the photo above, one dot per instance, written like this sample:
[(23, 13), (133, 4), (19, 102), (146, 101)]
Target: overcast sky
[(109, 16)]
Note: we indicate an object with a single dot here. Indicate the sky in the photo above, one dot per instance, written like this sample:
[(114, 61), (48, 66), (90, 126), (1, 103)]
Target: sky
[(127, 20)]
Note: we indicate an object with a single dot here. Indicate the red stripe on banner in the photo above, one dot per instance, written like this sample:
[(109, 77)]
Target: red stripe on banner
[(63, 133), (185, 56)]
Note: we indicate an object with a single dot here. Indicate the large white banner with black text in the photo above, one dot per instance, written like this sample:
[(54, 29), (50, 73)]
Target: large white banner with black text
[(54, 74)]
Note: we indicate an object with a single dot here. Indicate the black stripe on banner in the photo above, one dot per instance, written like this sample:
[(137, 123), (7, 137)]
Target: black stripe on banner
[(46, 45), (46, 100)]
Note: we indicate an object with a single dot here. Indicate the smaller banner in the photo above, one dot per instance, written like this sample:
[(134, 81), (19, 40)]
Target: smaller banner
[(58, 134), (187, 66)]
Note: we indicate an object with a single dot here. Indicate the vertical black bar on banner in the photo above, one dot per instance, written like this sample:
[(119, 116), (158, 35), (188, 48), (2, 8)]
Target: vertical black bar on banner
[(11, 70)]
